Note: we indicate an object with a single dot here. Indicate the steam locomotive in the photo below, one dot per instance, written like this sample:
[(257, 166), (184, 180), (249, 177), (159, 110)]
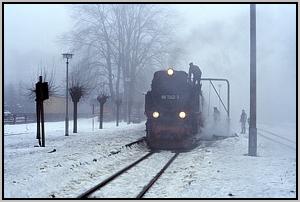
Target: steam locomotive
[(173, 111)]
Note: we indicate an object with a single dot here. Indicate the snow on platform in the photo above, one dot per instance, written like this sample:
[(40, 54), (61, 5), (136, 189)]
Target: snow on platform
[(223, 170), (67, 166)]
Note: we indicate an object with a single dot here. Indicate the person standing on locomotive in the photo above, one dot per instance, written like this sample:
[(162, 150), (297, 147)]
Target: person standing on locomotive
[(195, 70)]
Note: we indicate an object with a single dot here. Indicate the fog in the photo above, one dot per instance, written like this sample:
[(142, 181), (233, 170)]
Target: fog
[(214, 37), (30, 35)]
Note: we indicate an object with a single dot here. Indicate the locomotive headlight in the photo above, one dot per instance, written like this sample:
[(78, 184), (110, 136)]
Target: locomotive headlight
[(182, 115), (170, 71), (155, 114)]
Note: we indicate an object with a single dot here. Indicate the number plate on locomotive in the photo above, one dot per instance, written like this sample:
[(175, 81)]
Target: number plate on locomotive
[(170, 97)]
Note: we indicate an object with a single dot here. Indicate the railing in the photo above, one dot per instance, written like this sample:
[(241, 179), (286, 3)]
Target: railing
[(228, 92)]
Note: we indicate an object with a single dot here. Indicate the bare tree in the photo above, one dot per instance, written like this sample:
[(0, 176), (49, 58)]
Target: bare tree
[(145, 33), (122, 40), (81, 84), (102, 98)]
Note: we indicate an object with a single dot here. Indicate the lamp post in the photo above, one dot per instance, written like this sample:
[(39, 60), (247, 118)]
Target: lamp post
[(67, 56)]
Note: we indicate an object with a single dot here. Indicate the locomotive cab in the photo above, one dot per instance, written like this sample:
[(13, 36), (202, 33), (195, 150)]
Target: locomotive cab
[(172, 110)]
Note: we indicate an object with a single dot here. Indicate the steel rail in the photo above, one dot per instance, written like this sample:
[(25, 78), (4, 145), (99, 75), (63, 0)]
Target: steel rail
[(7, 135), (274, 134), (153, 180), (111, 178), (136, 142), (128, 145), (266, 137)]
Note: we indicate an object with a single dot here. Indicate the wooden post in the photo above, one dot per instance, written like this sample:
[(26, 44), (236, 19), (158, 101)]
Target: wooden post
[(38, 134), (38, 108), (43, 125)]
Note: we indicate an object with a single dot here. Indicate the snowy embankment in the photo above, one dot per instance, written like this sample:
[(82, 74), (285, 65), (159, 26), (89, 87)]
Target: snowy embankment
[(67, 166), (39, 172)]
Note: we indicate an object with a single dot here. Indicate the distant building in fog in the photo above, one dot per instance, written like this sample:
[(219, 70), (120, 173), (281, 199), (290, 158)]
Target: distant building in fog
[(55, 108), (57, 105)]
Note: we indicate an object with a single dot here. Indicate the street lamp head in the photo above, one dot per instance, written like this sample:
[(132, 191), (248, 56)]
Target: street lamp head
[(67, 55)]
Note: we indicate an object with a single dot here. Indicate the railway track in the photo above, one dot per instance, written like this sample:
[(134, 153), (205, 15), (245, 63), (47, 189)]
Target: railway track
[(276, 135), (143, 139), (14, 134), (276, 138), (97, 187), (139, 141)]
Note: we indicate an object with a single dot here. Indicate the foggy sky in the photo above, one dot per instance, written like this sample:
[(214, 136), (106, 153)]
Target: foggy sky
[(214, 37), (31, 33)]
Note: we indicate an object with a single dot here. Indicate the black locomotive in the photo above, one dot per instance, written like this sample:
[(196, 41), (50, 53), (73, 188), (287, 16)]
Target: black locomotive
[(173, 110)]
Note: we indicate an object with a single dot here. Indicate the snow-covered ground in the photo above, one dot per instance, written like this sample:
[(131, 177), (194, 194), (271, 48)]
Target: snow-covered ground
[(67, 166)]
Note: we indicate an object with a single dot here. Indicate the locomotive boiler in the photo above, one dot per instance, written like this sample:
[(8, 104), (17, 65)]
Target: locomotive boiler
[(173, 111)]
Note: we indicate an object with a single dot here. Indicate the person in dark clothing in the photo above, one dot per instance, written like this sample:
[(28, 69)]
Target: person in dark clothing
[(195, 70), (243, 120), (216, 115)]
